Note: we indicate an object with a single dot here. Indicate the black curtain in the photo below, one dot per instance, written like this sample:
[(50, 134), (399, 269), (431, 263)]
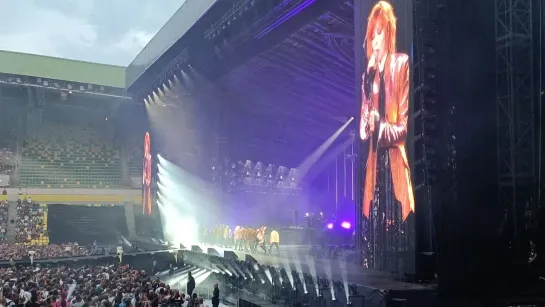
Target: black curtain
[(85, 224)]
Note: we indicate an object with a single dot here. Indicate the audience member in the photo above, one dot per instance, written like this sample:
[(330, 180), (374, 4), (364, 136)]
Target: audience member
[(3, 220), (18, 251), (87, 286), (30, 221)]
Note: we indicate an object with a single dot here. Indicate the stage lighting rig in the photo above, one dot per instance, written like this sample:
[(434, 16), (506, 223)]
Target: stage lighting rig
[(234, 13), (309, 280), (281, 173), (269, 172), (323, 282), (338, 285), (259, 174), (248, 168)]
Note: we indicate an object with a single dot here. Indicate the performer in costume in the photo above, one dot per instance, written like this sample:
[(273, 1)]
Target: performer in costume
[(388, 194)]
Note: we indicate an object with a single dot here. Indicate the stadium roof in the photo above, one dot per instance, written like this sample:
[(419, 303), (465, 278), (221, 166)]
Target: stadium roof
[(24, 64), (282, 73)]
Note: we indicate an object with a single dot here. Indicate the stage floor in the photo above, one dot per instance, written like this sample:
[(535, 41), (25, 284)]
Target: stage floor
[(297, 258)]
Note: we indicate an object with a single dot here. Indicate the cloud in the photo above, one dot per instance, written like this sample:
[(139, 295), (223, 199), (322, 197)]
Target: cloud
[(104, 31), (48, 33), (133, 40)]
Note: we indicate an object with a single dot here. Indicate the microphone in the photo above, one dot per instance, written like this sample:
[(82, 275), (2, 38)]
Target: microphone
[(369, 78)]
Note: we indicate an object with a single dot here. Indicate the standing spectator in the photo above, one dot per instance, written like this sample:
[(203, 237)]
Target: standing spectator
[(190, 284), (216, 296)]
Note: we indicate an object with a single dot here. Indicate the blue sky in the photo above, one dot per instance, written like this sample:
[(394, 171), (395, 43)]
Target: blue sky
[(102, 31)]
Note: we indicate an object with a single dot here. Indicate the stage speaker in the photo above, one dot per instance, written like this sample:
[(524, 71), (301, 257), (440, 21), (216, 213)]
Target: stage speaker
[(250, 259), (230, 255), (212, 251), (196, 249), (426, 266)]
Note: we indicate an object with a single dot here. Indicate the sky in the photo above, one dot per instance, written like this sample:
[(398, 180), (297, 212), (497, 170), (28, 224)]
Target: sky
[(101, 31)]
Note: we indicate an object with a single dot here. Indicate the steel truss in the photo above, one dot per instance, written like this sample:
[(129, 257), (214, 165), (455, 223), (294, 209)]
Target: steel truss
[(515, 103), (431, 115)]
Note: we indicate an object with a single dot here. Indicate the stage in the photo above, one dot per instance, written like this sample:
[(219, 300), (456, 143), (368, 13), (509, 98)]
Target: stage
[(378, 288)]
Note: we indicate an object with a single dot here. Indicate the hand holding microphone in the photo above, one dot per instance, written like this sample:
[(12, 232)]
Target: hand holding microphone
[(374, 117), (372, 64)]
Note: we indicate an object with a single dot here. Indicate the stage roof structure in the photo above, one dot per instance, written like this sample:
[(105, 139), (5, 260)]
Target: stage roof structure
[(282, 72)]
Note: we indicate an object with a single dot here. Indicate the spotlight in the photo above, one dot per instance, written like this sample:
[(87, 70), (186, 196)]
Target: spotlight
[(330, 226), (346, 225)]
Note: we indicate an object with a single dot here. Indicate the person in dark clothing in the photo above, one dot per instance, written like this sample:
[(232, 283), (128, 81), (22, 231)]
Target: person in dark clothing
[(216, 296), (33, 302), (190, 284)]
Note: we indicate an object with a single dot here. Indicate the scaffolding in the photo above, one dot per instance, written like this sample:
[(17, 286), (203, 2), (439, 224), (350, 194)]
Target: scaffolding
[(431, 116), (515, 103)]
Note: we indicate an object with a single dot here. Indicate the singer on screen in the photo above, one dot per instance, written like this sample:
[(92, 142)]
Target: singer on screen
[(384, 116), (146, 176)]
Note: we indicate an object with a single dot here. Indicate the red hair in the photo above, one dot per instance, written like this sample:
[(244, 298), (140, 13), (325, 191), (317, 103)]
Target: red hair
[(382, 14)]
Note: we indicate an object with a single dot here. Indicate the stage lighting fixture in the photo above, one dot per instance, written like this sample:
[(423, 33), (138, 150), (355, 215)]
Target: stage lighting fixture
[(308, 279), (281, 173), (329, 225), (353, 289), (258, 169), (322, 282), (293, 174), (269, 171), (248, 168), (346, 225)]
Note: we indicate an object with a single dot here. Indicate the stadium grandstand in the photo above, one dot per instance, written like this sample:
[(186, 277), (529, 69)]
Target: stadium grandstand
[(68, 138)]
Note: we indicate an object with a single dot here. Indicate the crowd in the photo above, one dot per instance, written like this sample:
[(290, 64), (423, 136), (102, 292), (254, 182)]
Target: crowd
[(19, 251), (7, 161), (246, 239), (30, 221), (3, 219), (87, 286)]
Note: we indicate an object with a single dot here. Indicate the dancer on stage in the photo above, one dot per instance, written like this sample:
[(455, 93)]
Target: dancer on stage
[(388, 195)]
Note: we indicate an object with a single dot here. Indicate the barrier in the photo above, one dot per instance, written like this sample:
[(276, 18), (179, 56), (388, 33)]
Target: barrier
[(100, 259)]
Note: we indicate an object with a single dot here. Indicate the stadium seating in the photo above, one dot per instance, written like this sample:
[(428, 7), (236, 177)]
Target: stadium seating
[(134, 154), (63, 156)]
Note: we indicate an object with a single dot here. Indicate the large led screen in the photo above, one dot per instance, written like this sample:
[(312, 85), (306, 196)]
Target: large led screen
[(383, 44), (146, 176)]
